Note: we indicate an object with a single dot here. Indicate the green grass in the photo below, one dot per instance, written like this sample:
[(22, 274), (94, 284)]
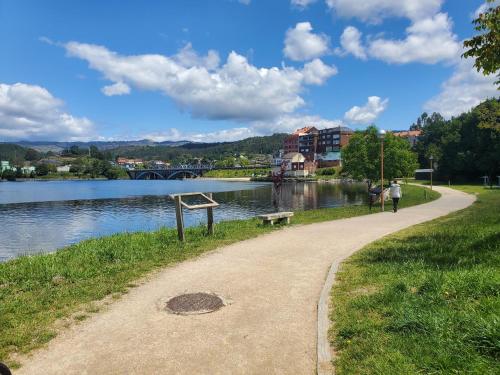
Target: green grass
[(36, 291), (425, 300), (232, 173)]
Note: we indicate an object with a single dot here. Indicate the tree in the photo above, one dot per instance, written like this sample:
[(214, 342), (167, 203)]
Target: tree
[(361, 157), (32, 155), (466, 146), (485, 47)]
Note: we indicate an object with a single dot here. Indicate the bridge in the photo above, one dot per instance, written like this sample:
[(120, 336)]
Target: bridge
[(178, 172)]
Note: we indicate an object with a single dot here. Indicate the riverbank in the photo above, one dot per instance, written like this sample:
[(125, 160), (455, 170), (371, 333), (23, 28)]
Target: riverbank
[(38, 291), (424, 300)]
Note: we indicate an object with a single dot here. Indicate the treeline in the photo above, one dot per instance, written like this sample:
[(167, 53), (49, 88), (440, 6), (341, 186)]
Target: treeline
[(463, 148), (208, 151)]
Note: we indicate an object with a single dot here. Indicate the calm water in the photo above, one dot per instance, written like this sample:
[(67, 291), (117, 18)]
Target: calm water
[(43, 216)]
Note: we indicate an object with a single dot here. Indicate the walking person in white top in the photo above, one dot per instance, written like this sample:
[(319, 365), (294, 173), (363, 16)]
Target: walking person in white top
[(395, 191)]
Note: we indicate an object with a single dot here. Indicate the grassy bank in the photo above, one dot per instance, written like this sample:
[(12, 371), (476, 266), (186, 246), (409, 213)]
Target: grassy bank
[(231, 173), (425, 300), (37, 291)]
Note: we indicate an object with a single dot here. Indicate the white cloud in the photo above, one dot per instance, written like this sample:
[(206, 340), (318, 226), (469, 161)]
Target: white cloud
[(316, 72), (31, 112), (236, 90), (282, 124), (375, 11), (428, 41), (118, 88), (465, 89), (301, 44), (302, 4), (350, 40), (245, 2), (367, 113)]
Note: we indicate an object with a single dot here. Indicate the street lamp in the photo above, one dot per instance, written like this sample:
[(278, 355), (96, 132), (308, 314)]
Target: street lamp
[(431, 158), (381, 135)]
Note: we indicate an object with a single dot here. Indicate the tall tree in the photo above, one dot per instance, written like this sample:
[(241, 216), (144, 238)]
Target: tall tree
[(361, 157), (485, 47)]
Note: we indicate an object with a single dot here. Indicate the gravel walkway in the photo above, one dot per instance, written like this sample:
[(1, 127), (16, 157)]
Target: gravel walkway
[(271, 285)]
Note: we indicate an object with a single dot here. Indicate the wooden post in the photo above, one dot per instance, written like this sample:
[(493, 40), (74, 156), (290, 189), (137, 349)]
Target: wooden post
[(178, 216), (210, 217)]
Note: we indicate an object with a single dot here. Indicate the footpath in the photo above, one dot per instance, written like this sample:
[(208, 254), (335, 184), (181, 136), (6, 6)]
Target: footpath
[(271, 285)]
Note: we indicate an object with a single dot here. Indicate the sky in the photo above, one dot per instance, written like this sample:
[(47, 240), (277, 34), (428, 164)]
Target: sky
[(222, 70)]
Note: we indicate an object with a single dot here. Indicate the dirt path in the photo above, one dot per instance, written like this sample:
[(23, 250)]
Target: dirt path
[(273, 283)]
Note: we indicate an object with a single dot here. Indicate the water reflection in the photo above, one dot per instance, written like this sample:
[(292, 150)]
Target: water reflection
[(44, 226)]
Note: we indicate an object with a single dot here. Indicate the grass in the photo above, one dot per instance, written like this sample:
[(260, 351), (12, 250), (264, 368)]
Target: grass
[(37, 291), (425, 300), (232, 173)]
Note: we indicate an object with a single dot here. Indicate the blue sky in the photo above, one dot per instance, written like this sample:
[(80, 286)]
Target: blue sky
[(213, 70)]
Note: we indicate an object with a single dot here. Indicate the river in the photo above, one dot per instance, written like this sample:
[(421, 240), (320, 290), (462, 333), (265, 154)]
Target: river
[(42, 216)]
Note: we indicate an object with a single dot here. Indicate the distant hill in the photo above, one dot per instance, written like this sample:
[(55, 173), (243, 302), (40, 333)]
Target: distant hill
[(168, 150), (45, 146), (215, 151)]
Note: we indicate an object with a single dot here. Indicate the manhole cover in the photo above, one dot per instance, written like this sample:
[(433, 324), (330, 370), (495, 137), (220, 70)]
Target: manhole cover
[(194, 303)]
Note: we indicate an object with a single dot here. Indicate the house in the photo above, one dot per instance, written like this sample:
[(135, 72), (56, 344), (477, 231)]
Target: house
[(128, 163), (5, 166), (295, 165), (63, 168), (28, 169), (411, 135)]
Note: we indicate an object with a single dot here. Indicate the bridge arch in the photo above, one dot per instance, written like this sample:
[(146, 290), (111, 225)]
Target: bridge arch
[(142, 175), (186, 171)]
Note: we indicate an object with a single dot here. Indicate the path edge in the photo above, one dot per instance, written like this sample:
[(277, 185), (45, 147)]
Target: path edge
[(324, 351)]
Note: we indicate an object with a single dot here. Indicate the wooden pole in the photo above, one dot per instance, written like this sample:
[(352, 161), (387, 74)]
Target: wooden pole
[(382, 175), (178, 216), (210, 217), (430, 161)]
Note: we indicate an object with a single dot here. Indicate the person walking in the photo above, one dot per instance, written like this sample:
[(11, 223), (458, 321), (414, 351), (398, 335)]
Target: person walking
[(395, 191)]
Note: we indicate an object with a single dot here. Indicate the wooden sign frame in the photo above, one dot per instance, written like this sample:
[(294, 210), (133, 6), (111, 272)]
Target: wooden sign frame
[(179, 203)]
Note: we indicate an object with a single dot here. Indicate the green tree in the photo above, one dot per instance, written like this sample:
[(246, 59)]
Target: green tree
[(32, 155), (361, 157), (485, 47)]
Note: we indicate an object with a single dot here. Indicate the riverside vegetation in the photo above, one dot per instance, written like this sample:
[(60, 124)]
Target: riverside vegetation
[(37, 291), (424, 300)]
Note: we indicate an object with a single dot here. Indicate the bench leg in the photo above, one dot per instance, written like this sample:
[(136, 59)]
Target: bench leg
[(288, 220)]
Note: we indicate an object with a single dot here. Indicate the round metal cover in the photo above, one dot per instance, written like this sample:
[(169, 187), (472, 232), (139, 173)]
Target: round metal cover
[(194, 303)]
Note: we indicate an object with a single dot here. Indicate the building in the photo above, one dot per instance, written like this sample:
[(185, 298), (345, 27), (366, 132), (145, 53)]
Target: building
[(329, 159), (330, 142), (295, 164), (308, 142), (410, 135), (292, 142), (128, 163), (333, 139), (63, 168), (28, 169), (5, 166)]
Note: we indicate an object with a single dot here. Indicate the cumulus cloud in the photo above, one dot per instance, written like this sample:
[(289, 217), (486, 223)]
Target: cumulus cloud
[(31, 112), (367, 113), (302, 4), (350, 40), (429, 40), (235, 90), (465, 89), (316, 72), (374, 11), (302, 44)]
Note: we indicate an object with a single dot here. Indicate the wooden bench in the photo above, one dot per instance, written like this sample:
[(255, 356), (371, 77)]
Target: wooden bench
[(277, 216)]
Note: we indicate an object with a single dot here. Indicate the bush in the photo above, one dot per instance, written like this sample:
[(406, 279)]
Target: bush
[(327, 171)]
